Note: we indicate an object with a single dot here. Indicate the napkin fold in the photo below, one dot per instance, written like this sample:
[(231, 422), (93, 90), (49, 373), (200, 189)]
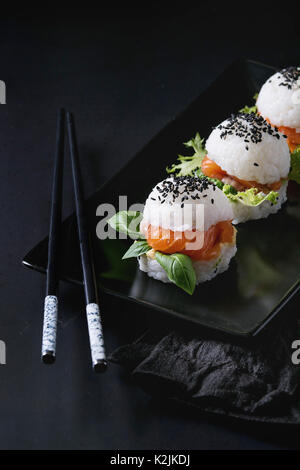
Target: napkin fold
[(255, 381)]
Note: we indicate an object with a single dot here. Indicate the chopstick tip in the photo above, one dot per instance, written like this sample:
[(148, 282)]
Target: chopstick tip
[(48, 357), (100, 366)]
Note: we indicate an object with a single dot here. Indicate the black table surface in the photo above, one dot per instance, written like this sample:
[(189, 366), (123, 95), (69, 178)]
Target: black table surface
[(124, 77)]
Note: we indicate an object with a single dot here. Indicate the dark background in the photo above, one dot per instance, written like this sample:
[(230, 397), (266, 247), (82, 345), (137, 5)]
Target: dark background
[(125, 73)]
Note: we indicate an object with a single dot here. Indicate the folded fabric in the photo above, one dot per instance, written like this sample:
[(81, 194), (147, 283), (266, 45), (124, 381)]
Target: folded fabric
[(257, 381)]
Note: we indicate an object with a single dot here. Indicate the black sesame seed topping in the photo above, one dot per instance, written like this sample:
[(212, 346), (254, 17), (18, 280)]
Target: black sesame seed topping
[(290, 76), (175, 186), (250, 127)]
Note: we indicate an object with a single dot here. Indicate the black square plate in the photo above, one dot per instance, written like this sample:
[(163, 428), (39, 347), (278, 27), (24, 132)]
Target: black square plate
[(264, 274)]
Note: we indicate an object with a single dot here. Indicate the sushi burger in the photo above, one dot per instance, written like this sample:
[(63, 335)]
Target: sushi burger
[(187, 219), (251, 161), (279, 103)]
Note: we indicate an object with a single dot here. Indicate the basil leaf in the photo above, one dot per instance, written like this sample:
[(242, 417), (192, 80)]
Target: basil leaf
[(127, 222), (179, 269), (137, 248)]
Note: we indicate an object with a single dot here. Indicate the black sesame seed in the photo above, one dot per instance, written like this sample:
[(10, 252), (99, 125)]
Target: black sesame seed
[(289, 77), (183, 185), (249, 127)]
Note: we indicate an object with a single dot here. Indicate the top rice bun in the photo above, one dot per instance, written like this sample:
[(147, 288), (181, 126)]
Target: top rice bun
[(247, 147), (279, 98), (172, 204)]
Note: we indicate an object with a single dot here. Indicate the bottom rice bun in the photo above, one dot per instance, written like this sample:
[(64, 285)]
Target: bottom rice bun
[(279, 103), (251, 157), (205, 270), (190, 216)]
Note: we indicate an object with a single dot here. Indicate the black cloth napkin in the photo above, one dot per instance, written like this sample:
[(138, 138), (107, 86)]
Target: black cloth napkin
[(255, 381)]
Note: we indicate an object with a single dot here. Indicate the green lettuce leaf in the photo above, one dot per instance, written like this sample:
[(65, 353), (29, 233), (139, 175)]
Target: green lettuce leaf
[(295, 165), (188, 165), (251, 197), (179, 269), (248, 109)]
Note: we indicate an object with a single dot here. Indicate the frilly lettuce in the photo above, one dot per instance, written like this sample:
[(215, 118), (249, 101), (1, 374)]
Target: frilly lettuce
[(191, 166), (251, 197), (188, 165), (295, 165), (249, 109)]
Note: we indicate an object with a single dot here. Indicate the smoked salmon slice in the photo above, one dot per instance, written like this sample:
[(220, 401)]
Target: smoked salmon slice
[(206, 245), (212, 170)]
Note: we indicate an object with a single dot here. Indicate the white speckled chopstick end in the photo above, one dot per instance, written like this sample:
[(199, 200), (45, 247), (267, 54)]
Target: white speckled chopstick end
[(49, 328), (96, 336)]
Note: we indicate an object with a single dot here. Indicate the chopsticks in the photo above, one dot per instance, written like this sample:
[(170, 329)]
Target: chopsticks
[(92, 308), (51, 300), (90, 288)]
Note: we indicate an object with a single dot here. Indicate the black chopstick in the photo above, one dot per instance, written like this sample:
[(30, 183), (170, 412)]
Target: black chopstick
[(92, 307), (51, 300)]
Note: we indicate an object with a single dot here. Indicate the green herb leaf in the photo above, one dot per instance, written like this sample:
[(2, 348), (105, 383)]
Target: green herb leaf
[(248, 109), (251, 197), (295, 165), (127, 222), (179, 269), (188, 165), (137, 248)]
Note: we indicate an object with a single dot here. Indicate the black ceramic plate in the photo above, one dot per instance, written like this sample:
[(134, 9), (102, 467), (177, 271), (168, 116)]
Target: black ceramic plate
[(262, 277)]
